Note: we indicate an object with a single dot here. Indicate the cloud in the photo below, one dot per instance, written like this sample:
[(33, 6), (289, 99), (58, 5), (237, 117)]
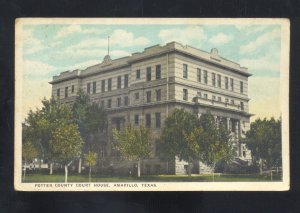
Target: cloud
[(75, 29), (37, 68), (79, 54), (266, 63), (82, 65), (249, 29), (220, 39), (118, 38), (260, 41), (124, 38), (33, 91), (188, 35), (265, 97), (30, 43), (270, 62)]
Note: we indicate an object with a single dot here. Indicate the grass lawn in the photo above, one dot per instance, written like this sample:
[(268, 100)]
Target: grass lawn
[(34, 178)]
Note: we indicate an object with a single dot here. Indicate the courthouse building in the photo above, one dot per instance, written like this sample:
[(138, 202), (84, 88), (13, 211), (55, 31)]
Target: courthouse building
[(144, 88)]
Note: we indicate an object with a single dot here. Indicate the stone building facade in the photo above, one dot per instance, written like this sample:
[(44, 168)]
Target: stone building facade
[(144, 88)]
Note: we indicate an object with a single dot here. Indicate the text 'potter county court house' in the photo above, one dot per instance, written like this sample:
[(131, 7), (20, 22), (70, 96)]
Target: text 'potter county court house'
[(144, 88)]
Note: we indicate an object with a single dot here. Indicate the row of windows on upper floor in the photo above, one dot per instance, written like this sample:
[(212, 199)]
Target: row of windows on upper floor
[(148, 120), (92, 87), (214, 98), (119, 80), (202, 77), (136, 97)]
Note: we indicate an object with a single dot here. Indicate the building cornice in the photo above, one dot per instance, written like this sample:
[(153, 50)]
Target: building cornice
[(155, 51)]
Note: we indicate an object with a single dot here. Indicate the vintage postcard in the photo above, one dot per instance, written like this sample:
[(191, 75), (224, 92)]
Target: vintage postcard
[(113, 104)]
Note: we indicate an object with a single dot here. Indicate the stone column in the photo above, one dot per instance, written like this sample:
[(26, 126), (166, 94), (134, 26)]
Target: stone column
[(238, 129), (216, 120), (228, 124)]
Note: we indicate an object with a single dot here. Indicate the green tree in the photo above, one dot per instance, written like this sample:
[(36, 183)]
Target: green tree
[(95, 122), (66, 145), (29, 152), (173, 141), (91, 119), (264, 141), (91, 160), (134, 143), (79, 110), (211, 141), (40, 125)]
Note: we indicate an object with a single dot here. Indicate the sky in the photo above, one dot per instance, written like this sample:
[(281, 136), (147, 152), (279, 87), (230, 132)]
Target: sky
[(49, 49)]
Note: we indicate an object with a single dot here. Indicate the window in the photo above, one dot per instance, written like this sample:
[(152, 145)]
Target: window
[(185, 94), (148, 73), (213, 77), (109, 103), (103, 86), (148, 120), (102, 103), (126, 101), (199, 94), (205, 96), (157, 119), (148, 95), (219, 80), (94, 87), (58, 93), (226, 100), (242, 105), (88, 88), (158, 95), (232, 101), (119, 83), (213, 97), (136, 120), (242, 87), (119, 102), (199, 74), (109, 84), (73, 88), (220, 99), (138, 74), (226, 82), (158, 71), (66, 92), (125, 81), (185, 71), (231, 84), (137, 96), (205, 76)]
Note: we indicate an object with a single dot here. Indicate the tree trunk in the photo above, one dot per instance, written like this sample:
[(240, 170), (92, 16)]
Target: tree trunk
[(40, 164), (213, 170), (24, 171), (139, 168), (167, 167), (271, 174), (79, 166), (189, 168), (51, 169), (260, 166), (90, 174), (66, 173)]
